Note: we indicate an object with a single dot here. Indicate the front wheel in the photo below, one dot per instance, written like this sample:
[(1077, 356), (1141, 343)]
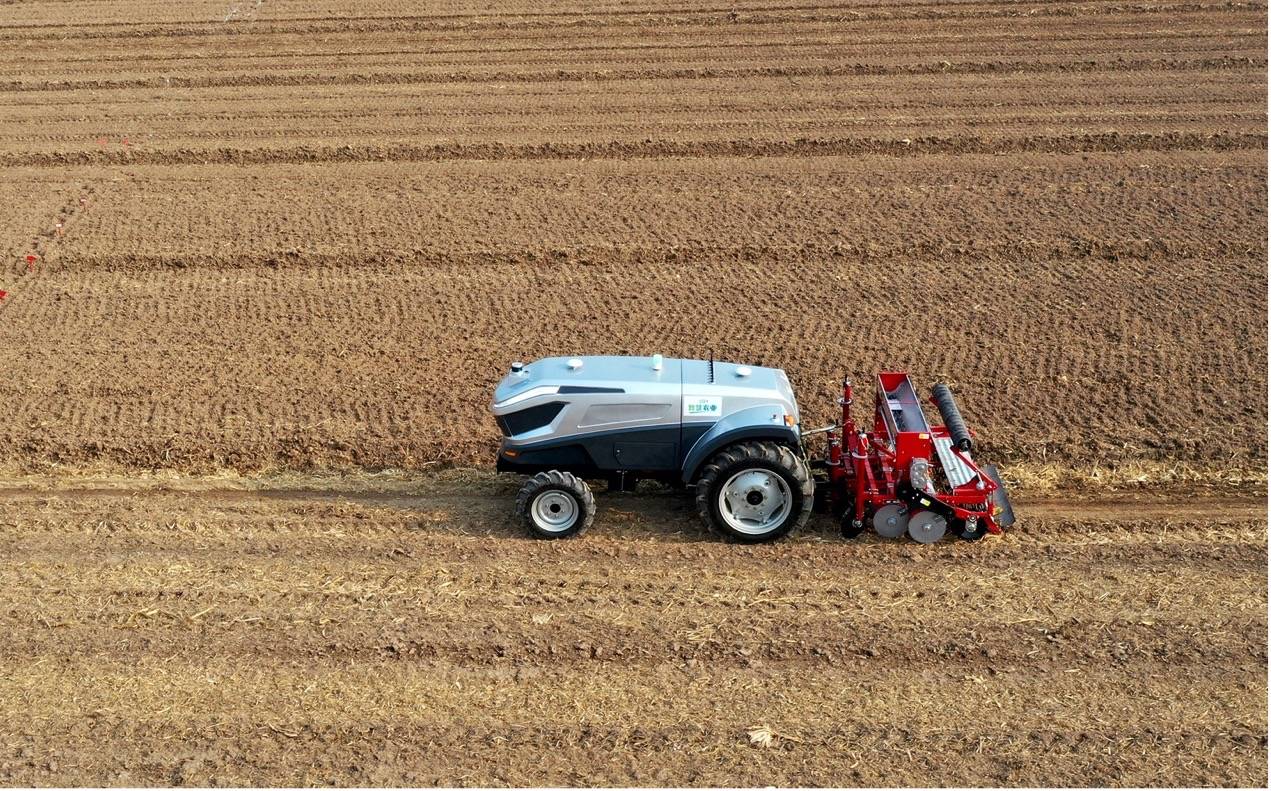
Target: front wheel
[(556, 504), (755, 491)]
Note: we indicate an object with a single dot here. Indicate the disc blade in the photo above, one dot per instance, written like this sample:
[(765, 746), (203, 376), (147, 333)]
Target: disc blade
[(891, 520), (926, 527)]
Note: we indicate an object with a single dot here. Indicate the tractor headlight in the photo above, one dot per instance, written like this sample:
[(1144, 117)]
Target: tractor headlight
[(920, 476)]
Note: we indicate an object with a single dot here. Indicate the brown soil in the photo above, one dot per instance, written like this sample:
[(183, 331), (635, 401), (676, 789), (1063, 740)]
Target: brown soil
[(272, 234), (197, 634), (295, 236)]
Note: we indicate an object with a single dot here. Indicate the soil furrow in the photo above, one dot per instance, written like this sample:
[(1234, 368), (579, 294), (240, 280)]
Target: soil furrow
[(660, 149), (724, 18), (257, 79), (952, 252), (499, 47), (496, 755), (495, 641)]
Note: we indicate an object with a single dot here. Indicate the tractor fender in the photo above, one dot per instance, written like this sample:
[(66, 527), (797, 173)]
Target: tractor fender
[(765, 422)]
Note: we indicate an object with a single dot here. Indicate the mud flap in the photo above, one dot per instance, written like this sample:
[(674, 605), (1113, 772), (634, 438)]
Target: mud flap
[(1005, 514)]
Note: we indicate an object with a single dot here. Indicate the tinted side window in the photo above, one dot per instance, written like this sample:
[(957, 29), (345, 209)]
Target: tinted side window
[(529, 419)]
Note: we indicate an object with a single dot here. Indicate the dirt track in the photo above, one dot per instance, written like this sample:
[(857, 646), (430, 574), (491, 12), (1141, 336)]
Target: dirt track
[(405, 632)]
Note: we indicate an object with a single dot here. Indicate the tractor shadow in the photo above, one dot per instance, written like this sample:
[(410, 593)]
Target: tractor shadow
[(653, 513), (670, 515)]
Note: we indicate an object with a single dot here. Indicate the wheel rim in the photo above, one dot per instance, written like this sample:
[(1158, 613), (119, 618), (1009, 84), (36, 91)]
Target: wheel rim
[(554, 511), (755, 501)]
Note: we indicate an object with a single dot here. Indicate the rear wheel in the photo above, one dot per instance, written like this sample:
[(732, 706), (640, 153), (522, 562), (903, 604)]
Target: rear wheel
[(556, 504), (755, 491)]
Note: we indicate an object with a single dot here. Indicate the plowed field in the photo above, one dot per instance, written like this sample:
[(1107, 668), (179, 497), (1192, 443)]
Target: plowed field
[(406, 632), (247, 236), (294, 235)]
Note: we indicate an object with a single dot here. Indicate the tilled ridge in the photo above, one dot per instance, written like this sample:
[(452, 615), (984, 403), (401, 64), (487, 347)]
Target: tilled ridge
[(1058, 144), (303, 635), (612, 75)]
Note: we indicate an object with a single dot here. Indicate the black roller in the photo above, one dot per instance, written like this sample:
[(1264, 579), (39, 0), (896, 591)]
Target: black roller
[(953, 421)]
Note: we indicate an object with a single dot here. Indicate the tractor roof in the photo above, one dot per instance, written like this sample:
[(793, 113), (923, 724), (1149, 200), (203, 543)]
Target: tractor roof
[(609, 371)]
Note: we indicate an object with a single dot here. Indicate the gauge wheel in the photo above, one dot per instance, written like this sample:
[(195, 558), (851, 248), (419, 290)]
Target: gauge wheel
[(967, 532), (849, 525), (755, 491), (556, 504)]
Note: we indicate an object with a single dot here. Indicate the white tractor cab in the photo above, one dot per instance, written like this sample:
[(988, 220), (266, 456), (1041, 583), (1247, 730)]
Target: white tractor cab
[(730, 431)]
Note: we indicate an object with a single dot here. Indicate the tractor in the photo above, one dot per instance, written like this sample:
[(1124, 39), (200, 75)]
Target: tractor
[(731, 433)]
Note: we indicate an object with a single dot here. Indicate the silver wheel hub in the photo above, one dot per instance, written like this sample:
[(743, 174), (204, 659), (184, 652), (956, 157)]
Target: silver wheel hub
[(755, 501), (554, 511)]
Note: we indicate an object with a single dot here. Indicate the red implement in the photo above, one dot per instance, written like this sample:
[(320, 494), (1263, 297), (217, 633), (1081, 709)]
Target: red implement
[(903, 474)]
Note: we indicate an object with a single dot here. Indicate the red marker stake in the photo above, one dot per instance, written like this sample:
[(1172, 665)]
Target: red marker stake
[(3, 293), (30, 262)]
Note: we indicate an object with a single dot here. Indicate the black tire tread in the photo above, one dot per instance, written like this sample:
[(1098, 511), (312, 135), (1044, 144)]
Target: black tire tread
[(564, 481), (748, 453)]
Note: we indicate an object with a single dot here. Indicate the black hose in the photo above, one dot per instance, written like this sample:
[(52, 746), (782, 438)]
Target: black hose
[(953, 421)]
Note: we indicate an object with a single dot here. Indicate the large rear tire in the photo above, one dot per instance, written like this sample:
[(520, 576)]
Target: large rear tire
[(556, 504), (753, 492)]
